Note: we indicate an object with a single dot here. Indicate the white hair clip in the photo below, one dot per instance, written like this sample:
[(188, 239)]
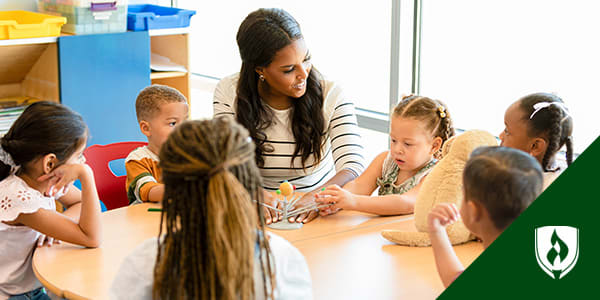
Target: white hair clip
[(541, 105), (6, 158)]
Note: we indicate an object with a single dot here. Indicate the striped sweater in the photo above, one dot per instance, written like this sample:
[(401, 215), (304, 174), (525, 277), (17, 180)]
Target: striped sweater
[(142, 174), (341, 150)]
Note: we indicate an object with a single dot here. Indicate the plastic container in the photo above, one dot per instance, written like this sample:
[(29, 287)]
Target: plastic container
[(88, 16), (21, 24), (146, 16)]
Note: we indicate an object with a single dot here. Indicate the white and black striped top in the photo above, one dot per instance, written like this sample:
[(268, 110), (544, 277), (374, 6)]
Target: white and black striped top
[(342, 149)]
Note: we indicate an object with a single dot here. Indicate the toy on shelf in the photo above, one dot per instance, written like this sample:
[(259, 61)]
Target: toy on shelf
[(288, 210), (142, 17), (20, 24), (88, 16)]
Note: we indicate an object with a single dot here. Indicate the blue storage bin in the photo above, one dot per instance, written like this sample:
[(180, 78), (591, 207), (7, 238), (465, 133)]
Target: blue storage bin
[(146, 16)]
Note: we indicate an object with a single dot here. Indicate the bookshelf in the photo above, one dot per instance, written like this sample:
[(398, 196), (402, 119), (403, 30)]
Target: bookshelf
[(172, 43), (29, 68), (97, 75)]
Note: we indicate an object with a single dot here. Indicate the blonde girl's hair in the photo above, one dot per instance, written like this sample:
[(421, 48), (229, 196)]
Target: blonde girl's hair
[(434, 114), (212, 227)]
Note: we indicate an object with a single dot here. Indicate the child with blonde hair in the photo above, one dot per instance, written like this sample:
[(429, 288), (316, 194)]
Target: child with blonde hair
[(41, 156), (499, 184), (540, 124), (418, 128)]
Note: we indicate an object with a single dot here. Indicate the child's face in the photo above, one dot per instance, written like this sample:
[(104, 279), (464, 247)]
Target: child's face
[(515, 131), (411, 144), (164, 121), (77, 156)]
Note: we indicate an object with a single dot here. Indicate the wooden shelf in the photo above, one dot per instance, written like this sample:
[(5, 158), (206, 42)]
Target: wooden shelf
[(172, 43), (42, 40), (30, 41), (160, 75), (29, 69), (169, 31)]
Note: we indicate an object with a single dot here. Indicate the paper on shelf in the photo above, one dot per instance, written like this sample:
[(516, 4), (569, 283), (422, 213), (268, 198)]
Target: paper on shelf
[(162, 63)]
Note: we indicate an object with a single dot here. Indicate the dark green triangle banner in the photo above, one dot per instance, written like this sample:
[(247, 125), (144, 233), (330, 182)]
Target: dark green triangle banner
[(551, 251)]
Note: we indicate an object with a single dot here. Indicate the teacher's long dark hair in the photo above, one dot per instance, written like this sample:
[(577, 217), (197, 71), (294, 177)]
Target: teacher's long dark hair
[(260, 36)]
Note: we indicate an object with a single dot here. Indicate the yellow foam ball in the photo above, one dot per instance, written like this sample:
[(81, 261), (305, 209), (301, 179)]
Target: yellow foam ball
[(286, 188)]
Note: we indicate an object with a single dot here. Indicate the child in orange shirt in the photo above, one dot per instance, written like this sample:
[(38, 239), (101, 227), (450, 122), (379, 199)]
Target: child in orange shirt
[(159, 109)]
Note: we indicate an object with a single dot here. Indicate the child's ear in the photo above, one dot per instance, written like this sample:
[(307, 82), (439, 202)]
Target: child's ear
[(145, 128), (537, 147), (49, 162), (475, 210), (436, 145)]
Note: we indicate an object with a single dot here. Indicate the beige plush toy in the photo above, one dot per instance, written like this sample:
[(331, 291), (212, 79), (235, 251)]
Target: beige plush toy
[(443, 184)]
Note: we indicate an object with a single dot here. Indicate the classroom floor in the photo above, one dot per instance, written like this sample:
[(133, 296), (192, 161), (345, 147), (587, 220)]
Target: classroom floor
[(202, 90)]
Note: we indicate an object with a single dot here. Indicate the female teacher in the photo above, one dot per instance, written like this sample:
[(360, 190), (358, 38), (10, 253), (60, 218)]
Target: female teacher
[(304, 128)]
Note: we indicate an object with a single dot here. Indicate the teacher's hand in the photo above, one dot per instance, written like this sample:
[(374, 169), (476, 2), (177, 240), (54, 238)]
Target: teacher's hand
[(307, 199), (271, 216)]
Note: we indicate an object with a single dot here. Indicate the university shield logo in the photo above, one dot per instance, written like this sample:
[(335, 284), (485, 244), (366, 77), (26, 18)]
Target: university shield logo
[(556, 249)]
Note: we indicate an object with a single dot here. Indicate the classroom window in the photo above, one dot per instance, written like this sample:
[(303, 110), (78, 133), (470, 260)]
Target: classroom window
[(349, 42), (480, 56), (477, 56)]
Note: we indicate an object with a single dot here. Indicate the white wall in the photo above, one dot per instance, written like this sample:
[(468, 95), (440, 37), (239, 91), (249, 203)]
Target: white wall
[(18, 5)]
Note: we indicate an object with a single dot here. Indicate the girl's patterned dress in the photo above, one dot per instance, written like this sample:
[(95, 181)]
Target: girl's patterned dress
[(389, 175)]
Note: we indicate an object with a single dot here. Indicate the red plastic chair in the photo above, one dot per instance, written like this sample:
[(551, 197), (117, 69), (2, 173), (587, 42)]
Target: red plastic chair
[(111, 188)]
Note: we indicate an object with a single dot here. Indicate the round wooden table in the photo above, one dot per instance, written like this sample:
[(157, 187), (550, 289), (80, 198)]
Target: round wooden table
[(346, 255)]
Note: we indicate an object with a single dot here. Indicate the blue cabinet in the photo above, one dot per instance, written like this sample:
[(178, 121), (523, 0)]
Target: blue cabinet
[(100, 77)]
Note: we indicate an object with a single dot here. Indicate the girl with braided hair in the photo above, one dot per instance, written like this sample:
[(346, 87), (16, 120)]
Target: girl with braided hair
[(540, 124), (418, 128), (212, 243)]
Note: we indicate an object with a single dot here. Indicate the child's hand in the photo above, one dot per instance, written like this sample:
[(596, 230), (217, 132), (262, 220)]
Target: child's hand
[(328, 211), (44, 239), (341, 198), (307, 199), (441, 216), (60, 178)]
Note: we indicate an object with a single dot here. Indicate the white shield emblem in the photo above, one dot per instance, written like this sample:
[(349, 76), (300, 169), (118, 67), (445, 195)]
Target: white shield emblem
[(556, 249)]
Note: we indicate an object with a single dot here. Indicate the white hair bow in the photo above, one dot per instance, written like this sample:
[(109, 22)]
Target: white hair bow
[(541, 105)]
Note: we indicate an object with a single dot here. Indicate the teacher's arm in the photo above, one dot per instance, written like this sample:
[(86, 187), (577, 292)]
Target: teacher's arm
[(224, 98), (346, 149)]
